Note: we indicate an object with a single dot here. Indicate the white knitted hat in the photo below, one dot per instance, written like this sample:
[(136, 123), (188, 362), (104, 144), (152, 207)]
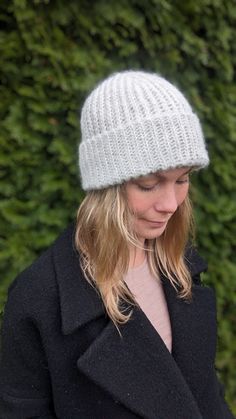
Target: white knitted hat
[(135, 123)]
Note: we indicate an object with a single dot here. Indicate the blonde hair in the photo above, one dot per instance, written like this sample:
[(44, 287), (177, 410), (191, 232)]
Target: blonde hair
[(103, 237)]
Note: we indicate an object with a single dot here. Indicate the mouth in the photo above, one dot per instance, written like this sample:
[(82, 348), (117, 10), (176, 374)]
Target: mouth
[(156, 223)]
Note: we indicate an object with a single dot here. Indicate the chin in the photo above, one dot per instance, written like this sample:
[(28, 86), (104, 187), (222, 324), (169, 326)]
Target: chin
[(152, 235)]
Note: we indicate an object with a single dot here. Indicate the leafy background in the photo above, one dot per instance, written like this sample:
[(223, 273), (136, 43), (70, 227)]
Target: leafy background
[(51, 54)]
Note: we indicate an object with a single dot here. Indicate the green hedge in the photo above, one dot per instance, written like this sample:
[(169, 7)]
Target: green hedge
[(52, 54)]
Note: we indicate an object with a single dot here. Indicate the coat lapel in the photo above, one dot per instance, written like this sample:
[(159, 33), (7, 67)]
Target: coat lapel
[(194, 335), (137, 369)]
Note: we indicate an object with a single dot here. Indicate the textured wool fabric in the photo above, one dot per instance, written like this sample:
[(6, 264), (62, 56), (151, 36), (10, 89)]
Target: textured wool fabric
[(135, 123)]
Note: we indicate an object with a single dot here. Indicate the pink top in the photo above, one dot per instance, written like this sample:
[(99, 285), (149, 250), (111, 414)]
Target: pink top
[(149, 294)]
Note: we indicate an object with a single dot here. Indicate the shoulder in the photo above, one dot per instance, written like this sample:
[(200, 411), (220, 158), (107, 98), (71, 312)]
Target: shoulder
[(52, 293), (37, 282), (195, 263)]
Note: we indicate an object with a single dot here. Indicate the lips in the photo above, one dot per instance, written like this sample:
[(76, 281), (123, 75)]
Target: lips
[(157, 223)]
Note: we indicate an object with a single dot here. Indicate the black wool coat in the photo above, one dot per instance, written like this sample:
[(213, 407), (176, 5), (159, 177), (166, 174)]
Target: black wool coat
[(63, 358)]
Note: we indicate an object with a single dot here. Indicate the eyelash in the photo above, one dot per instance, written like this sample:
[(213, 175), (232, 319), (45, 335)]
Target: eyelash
[(146, 189), (180, 182), (151, 188)]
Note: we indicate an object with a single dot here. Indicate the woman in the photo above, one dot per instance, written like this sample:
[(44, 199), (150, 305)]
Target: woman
[(112, 321)]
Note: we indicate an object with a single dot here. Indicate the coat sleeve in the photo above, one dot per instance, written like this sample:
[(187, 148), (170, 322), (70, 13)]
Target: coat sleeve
[(225, 408), (25, 390), (227, 414)]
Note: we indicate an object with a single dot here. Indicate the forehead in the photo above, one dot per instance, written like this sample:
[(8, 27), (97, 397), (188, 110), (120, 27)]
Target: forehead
[(166, 174)]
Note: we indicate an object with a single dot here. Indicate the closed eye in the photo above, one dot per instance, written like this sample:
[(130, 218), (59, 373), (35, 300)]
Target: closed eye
[(146, 188), (180, 182)]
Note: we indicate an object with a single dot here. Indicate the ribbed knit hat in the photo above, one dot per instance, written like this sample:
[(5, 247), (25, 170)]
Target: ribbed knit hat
[(135, 123)]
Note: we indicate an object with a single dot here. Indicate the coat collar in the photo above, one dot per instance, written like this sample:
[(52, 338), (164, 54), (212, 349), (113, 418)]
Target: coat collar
[(79, 301), (164, 383)]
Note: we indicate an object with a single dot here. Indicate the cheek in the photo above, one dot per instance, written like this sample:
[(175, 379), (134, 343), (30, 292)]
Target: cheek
[(181, 195), (138, 206), (136, 201)]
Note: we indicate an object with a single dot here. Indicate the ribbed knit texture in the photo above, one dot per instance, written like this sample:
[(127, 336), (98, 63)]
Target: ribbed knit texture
[(135, 123)]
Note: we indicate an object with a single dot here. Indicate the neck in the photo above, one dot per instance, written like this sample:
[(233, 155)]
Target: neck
[(136, 257)]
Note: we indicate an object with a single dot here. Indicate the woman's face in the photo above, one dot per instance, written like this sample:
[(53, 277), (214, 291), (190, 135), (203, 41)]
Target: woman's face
[(154, 199)]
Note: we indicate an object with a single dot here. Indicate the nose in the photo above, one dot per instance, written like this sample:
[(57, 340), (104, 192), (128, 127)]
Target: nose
[(167, 202)]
